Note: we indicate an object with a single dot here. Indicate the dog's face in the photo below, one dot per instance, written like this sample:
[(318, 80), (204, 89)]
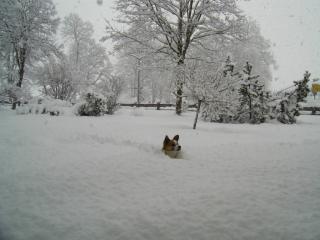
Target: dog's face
[(171, 147)]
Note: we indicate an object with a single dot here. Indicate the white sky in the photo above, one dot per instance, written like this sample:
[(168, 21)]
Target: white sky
[(293, 27)]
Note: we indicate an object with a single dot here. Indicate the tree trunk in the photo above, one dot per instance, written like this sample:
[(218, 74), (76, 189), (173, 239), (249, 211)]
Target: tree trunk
[(197, 114), (21, 59), (180, 74), (250, 108), (138, 79), (19, 84), (179, 100), (14, 104)]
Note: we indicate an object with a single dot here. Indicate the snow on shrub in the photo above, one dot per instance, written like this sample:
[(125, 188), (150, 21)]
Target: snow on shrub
[(94, 105), (110, 88), (111, 103), (97, 104), (287, 107), (45, 105)]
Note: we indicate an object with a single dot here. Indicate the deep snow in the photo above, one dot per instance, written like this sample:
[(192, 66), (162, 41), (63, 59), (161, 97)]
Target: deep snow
[(80, 178)]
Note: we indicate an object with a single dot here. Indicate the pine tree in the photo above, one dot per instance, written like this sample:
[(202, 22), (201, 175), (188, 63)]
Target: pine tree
[(264, 100), (288, 107), (302, 89), (253, 100)]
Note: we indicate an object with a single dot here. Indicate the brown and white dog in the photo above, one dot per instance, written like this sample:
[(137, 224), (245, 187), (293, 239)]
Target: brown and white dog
[(171, 147)]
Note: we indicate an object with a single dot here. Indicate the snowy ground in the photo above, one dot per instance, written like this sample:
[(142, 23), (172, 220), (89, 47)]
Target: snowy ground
[(80, 178)]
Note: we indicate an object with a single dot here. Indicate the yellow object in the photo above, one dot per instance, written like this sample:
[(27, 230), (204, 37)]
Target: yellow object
[(315, 88)]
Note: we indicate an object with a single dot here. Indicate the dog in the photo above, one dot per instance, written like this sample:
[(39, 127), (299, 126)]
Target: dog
[(171, 147)]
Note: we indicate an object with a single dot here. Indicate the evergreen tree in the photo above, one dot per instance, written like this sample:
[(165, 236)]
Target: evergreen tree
[(286, 110), (264, 100), (302, 89), (253, 103), (288, 107)]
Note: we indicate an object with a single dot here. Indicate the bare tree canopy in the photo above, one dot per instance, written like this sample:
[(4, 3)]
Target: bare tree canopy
[(28, 27), (176, 25)]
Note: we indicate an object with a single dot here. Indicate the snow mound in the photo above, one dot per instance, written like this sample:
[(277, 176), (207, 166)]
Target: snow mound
[(72, 178), (45, 106)]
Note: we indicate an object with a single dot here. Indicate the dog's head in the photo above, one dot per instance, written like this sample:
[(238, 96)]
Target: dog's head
[(171, 147)]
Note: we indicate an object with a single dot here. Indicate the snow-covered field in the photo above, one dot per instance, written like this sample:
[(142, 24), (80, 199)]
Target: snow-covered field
[(81, 178)]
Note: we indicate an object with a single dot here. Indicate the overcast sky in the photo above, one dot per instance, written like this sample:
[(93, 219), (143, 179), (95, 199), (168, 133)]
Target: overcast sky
[(293, 27)]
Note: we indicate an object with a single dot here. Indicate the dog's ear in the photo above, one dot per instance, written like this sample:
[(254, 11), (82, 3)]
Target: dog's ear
[(176, 137), (166, 140)]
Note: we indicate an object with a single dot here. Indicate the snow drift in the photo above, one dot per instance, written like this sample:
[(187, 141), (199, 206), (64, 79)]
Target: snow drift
[(85, 178)]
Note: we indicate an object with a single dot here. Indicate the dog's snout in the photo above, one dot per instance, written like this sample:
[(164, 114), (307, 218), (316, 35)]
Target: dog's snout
[(179, 148)]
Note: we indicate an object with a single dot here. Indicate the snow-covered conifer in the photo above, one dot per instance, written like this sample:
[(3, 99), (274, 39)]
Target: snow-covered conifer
[(288, 107), (252, 107)]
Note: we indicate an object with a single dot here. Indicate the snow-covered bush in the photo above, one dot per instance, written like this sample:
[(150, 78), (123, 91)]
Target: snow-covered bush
[(217, 91), (45, 105), (212, 87), (111, 104), (12, 93), (110, 88), (231, 96), (287, 108), (94, 105)]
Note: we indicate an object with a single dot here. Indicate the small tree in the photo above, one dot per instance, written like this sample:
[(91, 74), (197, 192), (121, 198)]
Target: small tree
[(288, 107), (302, 88), (252, 98)]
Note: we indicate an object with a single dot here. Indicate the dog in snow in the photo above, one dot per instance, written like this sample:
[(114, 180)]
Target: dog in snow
[(171, 147)]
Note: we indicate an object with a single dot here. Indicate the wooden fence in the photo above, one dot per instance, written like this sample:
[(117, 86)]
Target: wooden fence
[(158, 106), (313, 110)]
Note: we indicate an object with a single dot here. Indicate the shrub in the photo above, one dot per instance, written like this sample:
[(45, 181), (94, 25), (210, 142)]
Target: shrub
[(94, 105), (111, 104), (45, 105)]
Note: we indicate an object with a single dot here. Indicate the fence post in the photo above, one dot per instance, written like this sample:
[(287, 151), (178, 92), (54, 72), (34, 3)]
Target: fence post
[(197, 114)]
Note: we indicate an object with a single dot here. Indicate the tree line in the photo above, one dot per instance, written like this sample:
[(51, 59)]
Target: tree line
[(167, 51), (32, 55)]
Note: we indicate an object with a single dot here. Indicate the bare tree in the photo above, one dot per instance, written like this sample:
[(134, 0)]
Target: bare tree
[(87, 59), (29, 26), (77, 31), (56, 79), (175, 26)]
